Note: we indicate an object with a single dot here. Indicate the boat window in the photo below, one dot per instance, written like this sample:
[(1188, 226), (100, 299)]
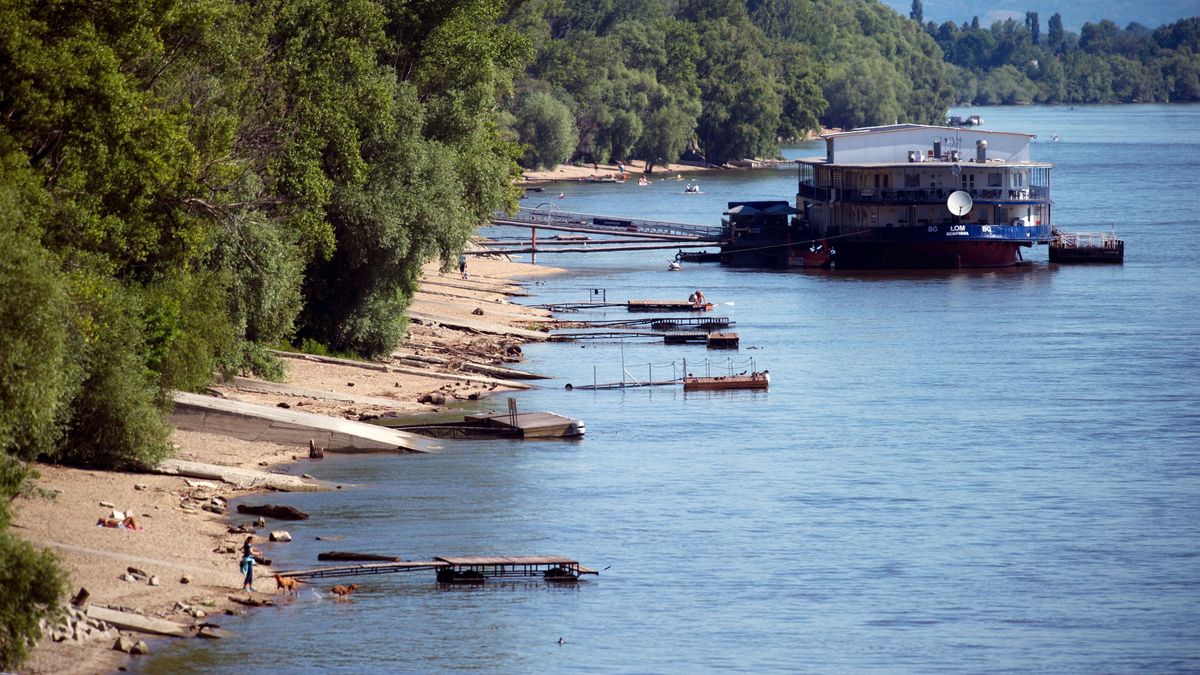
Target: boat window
[(995, 180), (912, 179)]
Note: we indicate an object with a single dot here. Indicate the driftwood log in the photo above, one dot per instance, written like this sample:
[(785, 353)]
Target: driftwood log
[(273, 511), (252, 602)]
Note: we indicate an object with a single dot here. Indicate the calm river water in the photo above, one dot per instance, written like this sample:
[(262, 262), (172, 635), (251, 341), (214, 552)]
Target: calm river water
[(953, 471)]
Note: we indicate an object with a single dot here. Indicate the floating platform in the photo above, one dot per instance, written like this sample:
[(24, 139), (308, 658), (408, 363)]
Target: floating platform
[(684, 337), (711, 340), (683, 323), (1087, 247), (502, 425), (667, 306), (722, 341), (758, 380), (461, 569)]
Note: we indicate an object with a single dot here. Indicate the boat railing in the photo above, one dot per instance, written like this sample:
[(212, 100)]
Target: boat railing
[(1085, 240), (917, 195)]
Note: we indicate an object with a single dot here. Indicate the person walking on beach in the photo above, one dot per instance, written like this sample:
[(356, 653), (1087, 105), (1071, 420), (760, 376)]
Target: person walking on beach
[(248, 554), (462, 265)]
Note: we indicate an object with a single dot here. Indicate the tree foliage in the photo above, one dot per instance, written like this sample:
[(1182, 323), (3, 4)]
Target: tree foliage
[(1012, 62), (720, 81), (184, 184)]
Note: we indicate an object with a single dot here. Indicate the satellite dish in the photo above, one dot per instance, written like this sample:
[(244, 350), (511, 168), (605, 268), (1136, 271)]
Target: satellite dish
[(959, 203)]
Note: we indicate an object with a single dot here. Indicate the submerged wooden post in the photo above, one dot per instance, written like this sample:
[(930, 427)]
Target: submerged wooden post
[(533, 246)]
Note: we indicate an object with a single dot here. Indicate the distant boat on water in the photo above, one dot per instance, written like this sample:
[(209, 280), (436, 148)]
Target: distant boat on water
[(960, 121)]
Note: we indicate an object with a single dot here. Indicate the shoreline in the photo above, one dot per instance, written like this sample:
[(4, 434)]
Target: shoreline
[(179, 539), (677, 170)]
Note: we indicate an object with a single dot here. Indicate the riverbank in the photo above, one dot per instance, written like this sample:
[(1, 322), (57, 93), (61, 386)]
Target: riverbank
[(584, 172), (612, 172), (192, 553)]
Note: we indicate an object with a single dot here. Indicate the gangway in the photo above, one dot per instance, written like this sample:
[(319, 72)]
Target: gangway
[(461, 569), (543, 217)]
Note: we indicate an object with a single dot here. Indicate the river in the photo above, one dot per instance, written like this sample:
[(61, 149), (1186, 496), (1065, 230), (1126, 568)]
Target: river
[(953, 471)]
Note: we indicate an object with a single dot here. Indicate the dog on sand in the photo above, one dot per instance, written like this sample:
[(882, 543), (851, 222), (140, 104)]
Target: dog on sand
[(343, 592), (287, 584)]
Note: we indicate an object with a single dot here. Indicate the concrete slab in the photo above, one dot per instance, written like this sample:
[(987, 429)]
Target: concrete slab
[(263, 387), (478, 326), (253, 422)]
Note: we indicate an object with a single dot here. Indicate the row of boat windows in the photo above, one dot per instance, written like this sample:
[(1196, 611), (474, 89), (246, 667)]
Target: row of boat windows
[(873, 216), (912, 179)]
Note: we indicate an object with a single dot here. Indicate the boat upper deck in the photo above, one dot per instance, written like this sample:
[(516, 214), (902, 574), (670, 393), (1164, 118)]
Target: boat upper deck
[(965, 164)]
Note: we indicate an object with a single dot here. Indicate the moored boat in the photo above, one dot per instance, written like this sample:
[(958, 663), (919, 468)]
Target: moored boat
[(1086, 247), (755, 380), (883, 196)]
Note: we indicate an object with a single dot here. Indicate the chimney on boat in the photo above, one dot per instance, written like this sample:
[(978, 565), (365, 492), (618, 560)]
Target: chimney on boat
[(981, 151)]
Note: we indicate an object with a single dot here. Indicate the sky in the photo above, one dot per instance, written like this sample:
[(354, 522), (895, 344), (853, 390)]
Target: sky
[(1151, 14)]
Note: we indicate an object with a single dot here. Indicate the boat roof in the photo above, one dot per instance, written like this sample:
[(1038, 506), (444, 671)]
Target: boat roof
[(962, 164), (773, 208), (892, 128)]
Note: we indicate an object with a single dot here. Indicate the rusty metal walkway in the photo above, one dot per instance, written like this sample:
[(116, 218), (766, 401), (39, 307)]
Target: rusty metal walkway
[(544, 217), (460, 569)]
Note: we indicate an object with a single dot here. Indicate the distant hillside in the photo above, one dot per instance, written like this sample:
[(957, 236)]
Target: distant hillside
[(1074, 14)]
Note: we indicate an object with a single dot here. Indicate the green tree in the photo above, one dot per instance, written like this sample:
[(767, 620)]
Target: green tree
[(547, 129), (918, 12), (1054, 32)]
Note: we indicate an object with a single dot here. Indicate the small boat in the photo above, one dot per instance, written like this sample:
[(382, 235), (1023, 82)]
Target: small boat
[(819, 256), (755, 380), (691, 189), (674, 266), (1086, 247), (698, 256)]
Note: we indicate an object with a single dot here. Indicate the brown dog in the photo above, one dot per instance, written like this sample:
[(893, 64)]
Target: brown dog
[(344, 591), (288, 584)]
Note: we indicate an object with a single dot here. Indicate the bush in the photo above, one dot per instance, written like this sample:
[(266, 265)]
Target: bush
[(116, 413), (31, 583), (34, 374)]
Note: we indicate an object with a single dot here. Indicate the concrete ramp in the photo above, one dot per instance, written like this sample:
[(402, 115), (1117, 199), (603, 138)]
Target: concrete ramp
[(253, 422)]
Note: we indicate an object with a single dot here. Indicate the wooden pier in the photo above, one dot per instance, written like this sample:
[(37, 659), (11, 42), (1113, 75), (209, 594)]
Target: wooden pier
[(685, 337), (461, 569), (667, 306), (530, 424), (684, 323), (523, 425), (722, 341)]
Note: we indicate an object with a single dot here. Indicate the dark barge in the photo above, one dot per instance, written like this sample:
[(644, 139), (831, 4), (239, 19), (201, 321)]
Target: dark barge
[(1086, 247)]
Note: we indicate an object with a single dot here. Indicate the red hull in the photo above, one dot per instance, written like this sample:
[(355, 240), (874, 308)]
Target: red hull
[(925, 254)]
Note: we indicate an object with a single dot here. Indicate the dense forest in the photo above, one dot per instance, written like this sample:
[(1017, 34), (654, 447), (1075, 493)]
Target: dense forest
[(184, 183), (1017, 62), (726, 80), (715, 80)]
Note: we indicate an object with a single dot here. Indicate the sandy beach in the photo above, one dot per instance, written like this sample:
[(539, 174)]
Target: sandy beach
[(633, 168), (191, 553)]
